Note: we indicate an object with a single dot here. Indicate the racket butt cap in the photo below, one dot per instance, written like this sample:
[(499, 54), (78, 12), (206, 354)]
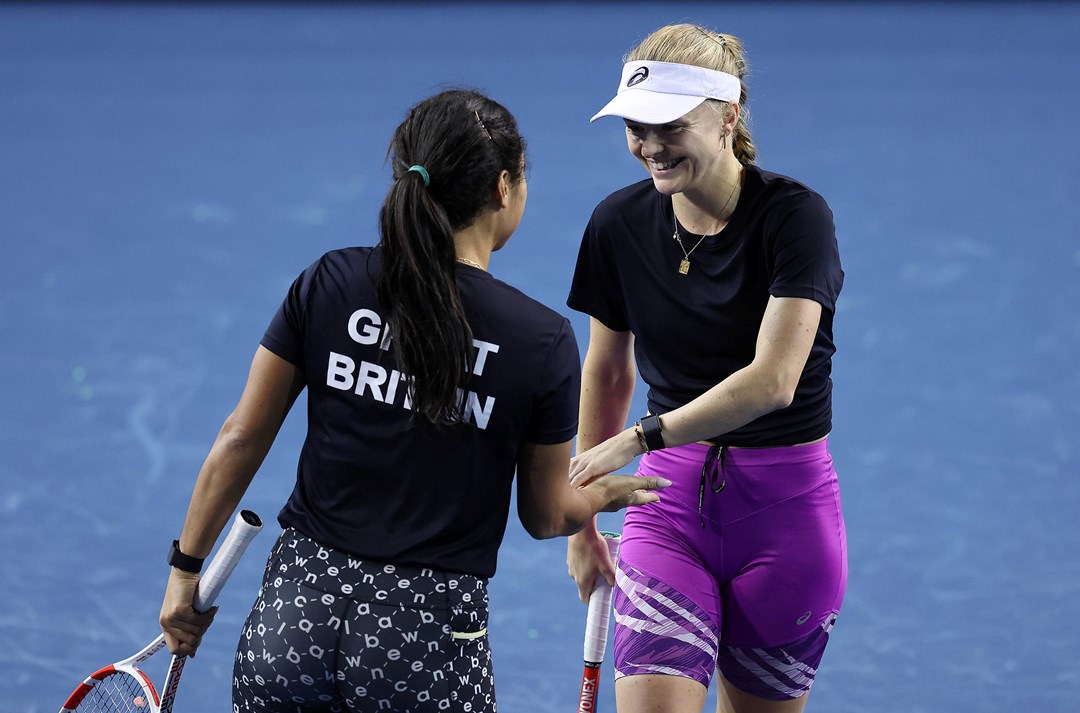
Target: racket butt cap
[(251, 518)]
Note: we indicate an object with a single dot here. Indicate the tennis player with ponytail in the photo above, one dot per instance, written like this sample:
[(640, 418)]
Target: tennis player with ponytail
[(429, 383), (721, 279)]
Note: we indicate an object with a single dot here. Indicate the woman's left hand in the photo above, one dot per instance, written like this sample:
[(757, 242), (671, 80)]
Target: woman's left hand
[(609, 456)]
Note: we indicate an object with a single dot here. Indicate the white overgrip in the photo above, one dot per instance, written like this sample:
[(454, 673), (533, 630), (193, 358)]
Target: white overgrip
[(599, 616), (245, 526)]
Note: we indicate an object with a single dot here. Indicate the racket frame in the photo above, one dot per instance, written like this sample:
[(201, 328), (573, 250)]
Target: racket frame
[(245, 526)]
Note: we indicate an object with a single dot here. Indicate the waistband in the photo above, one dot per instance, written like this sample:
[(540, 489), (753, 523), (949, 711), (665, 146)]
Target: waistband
[(299, 558), (715, 461), (762, 456)]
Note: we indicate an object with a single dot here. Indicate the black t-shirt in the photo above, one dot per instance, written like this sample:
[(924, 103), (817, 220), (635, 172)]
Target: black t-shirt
[(374, 484), (692, 331)]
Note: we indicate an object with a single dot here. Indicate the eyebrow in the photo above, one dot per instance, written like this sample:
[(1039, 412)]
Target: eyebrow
[(677, 124)]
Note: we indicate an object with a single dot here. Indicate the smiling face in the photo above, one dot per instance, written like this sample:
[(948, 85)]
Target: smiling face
[(685, 154)]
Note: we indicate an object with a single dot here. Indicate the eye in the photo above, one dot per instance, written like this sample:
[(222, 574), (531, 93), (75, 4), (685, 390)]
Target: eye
[(635, 130)]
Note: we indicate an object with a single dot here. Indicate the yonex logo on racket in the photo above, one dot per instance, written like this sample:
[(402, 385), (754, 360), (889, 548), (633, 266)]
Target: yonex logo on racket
[(638, 77)]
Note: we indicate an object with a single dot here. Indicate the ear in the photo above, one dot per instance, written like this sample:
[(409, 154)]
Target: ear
[(727, 126), (502, 189)]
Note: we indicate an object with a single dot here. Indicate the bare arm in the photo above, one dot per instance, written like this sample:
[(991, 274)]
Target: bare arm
[(607, 387), (550, 507), (243, 442), (547, 504), (766, 384)]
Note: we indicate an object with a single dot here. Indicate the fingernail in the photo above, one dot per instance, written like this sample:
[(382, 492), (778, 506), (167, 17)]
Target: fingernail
[(663, 482)]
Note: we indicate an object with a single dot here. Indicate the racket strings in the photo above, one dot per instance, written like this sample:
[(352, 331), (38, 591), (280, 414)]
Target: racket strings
[(119, 693)]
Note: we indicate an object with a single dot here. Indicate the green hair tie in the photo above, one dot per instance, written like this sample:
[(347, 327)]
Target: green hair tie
[(423, 173)]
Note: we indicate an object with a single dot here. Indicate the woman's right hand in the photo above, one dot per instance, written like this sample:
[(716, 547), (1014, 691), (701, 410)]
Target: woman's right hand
[(610, 493), (586, 552), (586, 559)]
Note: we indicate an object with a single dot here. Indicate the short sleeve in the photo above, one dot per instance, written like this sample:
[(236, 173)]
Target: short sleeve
[(595, 289), (554, 418), (285, 335), (805, 256)]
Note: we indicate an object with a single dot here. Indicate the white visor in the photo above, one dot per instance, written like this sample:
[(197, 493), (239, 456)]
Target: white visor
[(661, 92)]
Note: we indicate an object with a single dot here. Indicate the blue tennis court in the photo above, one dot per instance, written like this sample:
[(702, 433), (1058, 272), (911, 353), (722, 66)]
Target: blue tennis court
[(166, 170)]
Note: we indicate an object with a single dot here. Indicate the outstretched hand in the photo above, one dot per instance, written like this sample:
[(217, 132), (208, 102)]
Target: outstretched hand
[(587, 554), (615, 492)]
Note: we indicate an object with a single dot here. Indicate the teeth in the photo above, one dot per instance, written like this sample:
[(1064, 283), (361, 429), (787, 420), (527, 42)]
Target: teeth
[(663, 166)]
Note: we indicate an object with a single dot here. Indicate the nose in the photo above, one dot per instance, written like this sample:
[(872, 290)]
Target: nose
[(651, 144)]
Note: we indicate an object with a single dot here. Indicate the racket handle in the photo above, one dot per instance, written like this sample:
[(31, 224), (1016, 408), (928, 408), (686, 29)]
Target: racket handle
[(590, 682), (245, 526), (599, 616)]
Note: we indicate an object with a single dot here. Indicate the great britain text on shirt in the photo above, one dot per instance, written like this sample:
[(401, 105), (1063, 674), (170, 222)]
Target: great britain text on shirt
[(366, 327)]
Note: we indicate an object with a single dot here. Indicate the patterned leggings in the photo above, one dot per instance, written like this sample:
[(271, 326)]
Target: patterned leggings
[(331, 633)]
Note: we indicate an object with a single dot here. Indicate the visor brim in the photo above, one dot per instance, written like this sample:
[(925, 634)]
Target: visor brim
[(649, 107)]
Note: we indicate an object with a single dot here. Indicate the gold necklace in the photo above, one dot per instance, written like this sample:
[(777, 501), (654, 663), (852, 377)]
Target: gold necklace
[(470, 263), (684, 264)]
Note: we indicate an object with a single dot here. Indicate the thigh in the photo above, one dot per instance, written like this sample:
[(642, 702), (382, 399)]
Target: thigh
[(787, 567), (771, 678), (648, 694), (659, 631), (730, 699), (400, 658), (667, 602), (786, 543), (666, 539), (285, 658)]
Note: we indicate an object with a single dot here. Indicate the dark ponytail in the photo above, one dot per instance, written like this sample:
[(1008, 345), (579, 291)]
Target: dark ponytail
[(463, 141)]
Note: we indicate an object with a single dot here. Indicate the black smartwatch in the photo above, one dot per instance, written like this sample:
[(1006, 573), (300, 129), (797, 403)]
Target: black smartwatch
[(650, 428), (183, 562)]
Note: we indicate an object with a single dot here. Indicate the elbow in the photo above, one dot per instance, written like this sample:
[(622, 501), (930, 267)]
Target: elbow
[(540, 533), (236, 440), (782, 398), (233, 438), (552, 528), (779, 393), (557, 523)]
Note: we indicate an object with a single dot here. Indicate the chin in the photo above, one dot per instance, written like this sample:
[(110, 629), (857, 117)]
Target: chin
[(666, 186)]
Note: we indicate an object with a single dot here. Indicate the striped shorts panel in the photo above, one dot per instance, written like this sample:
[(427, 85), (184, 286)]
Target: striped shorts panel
[(660, 631)]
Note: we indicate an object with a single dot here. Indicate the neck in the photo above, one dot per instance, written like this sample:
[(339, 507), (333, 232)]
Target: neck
[(473, 245), (707, 210)]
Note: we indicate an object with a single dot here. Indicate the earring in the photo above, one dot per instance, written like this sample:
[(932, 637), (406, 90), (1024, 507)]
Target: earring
[(723, 142)]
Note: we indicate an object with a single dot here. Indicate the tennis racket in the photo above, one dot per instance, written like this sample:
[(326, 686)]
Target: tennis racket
[(596, 632), (123, 688)]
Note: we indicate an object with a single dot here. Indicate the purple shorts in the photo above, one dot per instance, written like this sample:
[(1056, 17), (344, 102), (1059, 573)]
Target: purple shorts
[(741, 568)]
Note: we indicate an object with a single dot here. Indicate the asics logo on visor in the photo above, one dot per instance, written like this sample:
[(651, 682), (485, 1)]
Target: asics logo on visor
[(638, 77)]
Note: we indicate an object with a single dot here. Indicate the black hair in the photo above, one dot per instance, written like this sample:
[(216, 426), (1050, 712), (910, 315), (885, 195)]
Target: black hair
[(464, 141)]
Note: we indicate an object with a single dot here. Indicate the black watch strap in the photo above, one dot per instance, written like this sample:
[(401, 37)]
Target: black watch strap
[(650, 428), (187, 563)]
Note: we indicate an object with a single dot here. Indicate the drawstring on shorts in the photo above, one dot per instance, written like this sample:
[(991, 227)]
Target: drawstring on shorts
[(713, 469)]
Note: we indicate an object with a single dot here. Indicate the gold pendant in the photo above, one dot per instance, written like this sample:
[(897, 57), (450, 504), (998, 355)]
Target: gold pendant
[(684, 267)]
